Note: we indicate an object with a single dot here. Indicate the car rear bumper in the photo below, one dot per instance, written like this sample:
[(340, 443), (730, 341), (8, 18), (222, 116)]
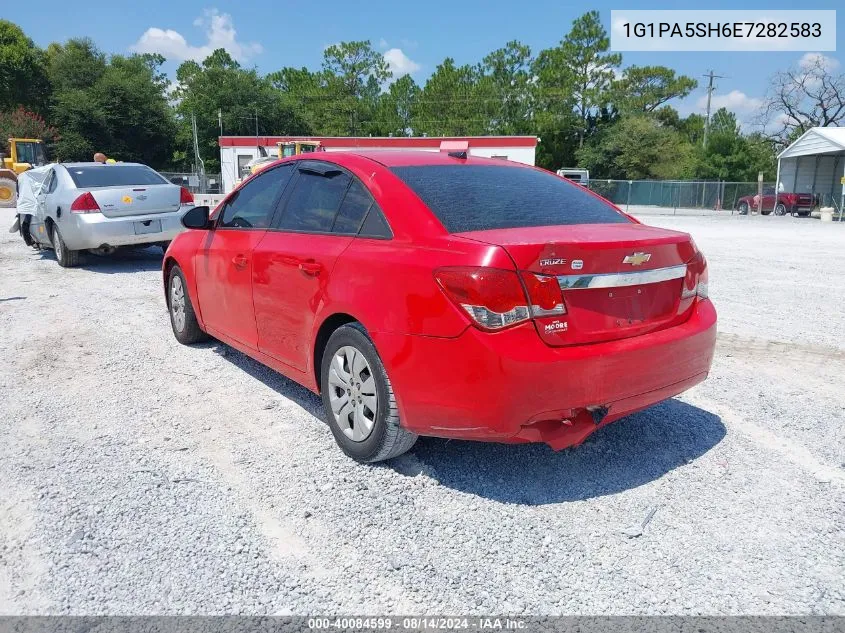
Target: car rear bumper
[(93, 230), (511, 387)]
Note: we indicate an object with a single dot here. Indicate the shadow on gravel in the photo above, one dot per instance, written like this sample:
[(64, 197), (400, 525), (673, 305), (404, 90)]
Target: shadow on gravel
[(626, 454), (123, 261), (623, 455), (285, 387)]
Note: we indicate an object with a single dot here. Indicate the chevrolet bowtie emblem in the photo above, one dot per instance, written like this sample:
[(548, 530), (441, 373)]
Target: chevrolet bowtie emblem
[(636, 259)]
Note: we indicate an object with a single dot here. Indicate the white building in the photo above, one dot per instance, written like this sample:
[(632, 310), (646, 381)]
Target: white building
[(237, 151), (814, 163)]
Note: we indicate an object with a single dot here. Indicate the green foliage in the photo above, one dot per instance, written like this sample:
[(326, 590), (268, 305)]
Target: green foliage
[(244, 99), (117, 106), (646, 88), (23, 80), (584, 51), (572, 96), (638, 147)]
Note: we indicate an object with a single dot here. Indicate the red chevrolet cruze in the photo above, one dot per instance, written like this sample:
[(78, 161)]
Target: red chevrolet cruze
[(428, 293)]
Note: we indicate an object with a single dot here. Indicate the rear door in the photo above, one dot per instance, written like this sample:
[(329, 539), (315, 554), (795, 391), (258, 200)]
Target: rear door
[(123, 190), (325, 208), (224, 265)]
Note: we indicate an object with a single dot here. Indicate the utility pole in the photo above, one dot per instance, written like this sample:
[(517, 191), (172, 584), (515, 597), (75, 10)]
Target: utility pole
[(220, 120), (199, 163), (710, 89)]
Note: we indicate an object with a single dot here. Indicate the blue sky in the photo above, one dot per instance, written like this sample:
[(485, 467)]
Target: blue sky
[(414, 36)]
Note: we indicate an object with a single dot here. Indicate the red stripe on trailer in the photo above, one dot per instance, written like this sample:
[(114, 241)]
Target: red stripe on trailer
[(432, 142)]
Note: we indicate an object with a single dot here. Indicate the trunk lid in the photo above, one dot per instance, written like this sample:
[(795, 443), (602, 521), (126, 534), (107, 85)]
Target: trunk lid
[(617, 280), (118, 202)]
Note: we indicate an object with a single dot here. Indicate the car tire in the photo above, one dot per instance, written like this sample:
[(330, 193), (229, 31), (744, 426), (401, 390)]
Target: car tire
[(363, 434), (780, 209), (183, 319), (766, 211), (742, 207), (66, 257)]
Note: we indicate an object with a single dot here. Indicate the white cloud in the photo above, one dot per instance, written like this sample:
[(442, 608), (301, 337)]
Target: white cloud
[(220, 33), (735, 101), (818, 60), (399, 63)]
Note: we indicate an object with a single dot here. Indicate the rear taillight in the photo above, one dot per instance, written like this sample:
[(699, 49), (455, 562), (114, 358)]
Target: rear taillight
[(85, 204), (544, 294), (185, 196), (492, 297), (695, 281)]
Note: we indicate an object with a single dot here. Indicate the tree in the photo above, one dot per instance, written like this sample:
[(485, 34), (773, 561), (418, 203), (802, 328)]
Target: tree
[(731, 156), (244, 99), (397, 108), (354, 73), (638, 147), (808, 95), (583, 51), (448, 105), (646, 88), (554, 115), (118, 106), (506, 81), (23, 80)]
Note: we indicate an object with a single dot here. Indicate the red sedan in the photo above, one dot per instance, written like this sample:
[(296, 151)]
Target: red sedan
[(438, 294)]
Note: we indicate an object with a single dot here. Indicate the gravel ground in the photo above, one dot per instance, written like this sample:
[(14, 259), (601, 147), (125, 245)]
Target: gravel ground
[(140, 476)]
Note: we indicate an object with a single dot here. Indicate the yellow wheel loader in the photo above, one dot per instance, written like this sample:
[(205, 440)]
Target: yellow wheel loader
[(23, 154)]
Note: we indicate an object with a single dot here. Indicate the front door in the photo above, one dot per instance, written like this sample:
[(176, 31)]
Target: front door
[(224, 265), (294, 262)]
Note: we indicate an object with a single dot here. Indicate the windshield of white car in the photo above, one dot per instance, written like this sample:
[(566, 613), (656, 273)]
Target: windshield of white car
[(88, 176)]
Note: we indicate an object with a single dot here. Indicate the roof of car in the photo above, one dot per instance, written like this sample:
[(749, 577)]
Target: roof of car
[(407, 158), (93, 164)]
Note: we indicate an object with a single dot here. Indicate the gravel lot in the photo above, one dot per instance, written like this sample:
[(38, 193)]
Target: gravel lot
[(140, 476)]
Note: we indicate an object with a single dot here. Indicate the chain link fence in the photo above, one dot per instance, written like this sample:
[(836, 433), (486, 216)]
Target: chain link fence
[(196, 183), (675, 195)]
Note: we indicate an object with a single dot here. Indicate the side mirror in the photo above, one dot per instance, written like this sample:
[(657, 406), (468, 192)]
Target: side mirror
[(196, 218)]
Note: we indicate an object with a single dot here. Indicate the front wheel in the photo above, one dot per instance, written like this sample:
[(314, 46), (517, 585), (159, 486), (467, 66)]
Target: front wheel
[(359, 400), (780, 209), (183, 319), (742, 208)]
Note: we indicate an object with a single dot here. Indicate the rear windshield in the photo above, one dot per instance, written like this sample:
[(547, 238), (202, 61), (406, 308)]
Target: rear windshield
[(114, 176), (480, 197)]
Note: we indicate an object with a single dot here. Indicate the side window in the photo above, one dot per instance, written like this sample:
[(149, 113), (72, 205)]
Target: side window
[(375, 225), (315, 200), (54, 181), (354, 208), (252, 206)]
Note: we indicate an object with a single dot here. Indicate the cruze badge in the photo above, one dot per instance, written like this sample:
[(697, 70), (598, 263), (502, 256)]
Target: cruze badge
[(552, 262), (636, 259)]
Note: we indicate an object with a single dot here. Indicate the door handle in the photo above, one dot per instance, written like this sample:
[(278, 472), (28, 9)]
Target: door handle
[(311, 268), (240, 261)]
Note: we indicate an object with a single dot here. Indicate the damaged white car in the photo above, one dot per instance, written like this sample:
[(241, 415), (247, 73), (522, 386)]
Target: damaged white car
[(74, 207)]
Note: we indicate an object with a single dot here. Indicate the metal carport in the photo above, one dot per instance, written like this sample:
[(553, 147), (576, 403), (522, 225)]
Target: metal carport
[(814, 163)]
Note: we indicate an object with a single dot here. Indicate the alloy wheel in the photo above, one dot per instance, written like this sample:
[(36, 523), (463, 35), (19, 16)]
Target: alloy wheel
[(177, 302)]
